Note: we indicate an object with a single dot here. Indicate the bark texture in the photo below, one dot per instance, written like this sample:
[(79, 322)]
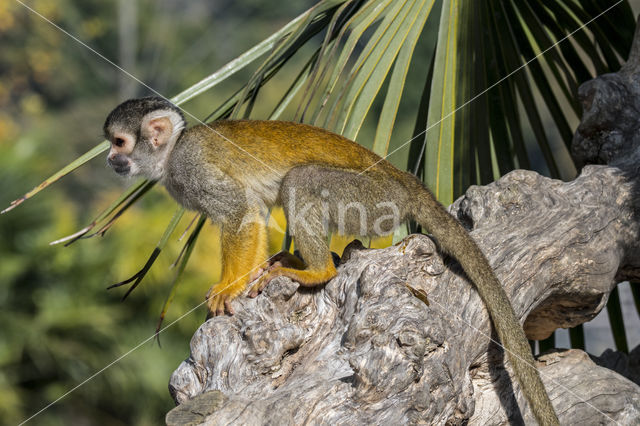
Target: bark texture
[(400, 336)]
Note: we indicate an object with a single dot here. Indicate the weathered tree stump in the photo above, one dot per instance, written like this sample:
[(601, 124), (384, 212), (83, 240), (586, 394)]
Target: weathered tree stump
[(400, 336)]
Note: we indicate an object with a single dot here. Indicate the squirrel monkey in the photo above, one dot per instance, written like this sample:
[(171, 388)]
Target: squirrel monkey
[(228, 170)]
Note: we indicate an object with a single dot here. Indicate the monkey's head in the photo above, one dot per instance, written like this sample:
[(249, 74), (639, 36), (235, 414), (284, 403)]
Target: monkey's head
[(142, 133)]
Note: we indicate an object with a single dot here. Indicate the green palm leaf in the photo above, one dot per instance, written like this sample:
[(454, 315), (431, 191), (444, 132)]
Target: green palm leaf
[(441, 121), (397, 82)]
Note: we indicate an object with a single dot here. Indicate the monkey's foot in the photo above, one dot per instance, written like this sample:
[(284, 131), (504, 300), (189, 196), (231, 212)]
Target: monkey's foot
[(263, 279), (305, 277), (284, 259)]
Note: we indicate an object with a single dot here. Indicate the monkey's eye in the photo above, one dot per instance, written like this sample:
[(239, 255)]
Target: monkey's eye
[(119, 142)]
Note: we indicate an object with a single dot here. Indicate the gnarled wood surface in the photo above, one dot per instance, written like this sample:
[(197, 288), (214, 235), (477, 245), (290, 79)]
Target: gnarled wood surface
[(400, 336)]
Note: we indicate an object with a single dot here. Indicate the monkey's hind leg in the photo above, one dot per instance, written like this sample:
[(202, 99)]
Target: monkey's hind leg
[(244, 250), (303, 207), (317, 198)]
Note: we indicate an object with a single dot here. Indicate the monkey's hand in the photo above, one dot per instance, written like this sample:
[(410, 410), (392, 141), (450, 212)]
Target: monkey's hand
[(220, 295), (219, 298)]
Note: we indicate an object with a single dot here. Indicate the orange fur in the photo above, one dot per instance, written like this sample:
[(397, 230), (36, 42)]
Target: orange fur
[(243, 252)]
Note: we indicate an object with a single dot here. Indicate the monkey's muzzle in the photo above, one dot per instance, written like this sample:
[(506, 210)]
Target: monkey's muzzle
[(120, 164)]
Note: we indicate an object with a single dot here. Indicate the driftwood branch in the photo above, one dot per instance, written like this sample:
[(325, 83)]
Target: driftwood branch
[(400, 336)]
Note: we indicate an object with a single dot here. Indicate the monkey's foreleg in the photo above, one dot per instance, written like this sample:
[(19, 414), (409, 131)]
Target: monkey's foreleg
[(244, 249)]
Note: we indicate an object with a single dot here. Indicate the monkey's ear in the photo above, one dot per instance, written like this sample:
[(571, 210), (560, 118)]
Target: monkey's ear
[(157, 129), (161, 127)]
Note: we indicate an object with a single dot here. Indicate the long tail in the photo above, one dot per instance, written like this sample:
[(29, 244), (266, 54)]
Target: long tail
[(454, 240)]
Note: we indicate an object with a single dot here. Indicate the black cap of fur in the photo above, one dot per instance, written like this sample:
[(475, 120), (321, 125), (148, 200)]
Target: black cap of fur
[(129, 113)]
